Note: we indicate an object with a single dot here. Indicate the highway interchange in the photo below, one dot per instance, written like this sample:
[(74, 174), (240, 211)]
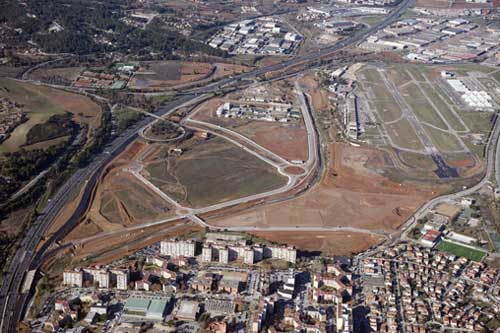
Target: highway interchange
[(13, 301)]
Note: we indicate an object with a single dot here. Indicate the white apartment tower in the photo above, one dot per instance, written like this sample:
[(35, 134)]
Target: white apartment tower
[(73, 278), (102, 278), (248, 256), (206, 253), (281, 252), (224, 255), (120, 278), (177, 248)]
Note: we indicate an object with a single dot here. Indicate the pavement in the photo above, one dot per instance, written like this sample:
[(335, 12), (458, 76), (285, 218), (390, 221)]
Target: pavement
[(13, 303)]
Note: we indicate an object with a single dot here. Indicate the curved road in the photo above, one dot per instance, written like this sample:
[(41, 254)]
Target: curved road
[(13, 301)]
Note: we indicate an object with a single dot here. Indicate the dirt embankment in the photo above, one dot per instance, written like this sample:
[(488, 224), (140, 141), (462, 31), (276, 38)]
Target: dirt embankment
[(328, 243)]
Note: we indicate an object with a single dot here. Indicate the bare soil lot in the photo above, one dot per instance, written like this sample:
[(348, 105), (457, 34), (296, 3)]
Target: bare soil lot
[(121, 200), (358, 196), (328, 243), (169, 73)]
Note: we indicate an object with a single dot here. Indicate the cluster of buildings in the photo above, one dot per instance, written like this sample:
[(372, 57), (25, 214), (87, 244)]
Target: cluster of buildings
[(263, 36), (438, 230), (325, 12), (470, 92), (11, 116), (436, 39), (268, 112), (100, 80), (407, 286), (370, 2), (98, 277), (227, 248), (179, 285)]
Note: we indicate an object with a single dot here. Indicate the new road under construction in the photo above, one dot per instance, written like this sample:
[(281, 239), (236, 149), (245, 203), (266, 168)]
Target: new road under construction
[(18, 284)]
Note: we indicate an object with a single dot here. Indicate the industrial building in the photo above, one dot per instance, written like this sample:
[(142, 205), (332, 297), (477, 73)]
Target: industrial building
[(146, 308), (475, 99), (188, 310)]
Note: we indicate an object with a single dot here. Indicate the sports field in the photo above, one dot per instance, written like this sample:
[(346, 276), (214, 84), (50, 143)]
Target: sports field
[(461, 251)]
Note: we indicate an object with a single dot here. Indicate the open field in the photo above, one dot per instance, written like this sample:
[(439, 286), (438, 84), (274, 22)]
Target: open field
[(121, 200), (40, 103), (444, 141), (356, 197), (212, 171), (458, 4), (461, 251), (164, 74), (383, 101), (328, 243), (66, 73), (420, 106), (418, 115), (441, 103), (403, 135), (467, 164)]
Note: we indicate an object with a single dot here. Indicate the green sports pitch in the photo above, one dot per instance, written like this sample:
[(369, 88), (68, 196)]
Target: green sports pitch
[(461, 251)]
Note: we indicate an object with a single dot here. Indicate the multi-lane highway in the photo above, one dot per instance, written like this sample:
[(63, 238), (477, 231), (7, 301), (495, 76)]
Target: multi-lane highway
[(12, 302)]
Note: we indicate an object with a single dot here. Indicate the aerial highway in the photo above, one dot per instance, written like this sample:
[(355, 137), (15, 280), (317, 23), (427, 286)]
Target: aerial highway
[(13, 302)]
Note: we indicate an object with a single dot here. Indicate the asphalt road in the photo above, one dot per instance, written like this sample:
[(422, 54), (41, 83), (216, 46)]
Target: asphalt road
[(13, 303)]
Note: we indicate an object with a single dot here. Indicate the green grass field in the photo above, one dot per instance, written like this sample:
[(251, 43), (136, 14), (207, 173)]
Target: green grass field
[(421, 107), (386, 106), (444, 141), (402, 134), (496, 76), (442, 107), (417, 72), (40, 103), (216, 171), (398, 76), (461, 251), (159, 171), (371, 75)]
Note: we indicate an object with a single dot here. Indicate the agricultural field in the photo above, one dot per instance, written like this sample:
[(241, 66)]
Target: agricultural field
[(40, 104), (461, 251), (210, 172)]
